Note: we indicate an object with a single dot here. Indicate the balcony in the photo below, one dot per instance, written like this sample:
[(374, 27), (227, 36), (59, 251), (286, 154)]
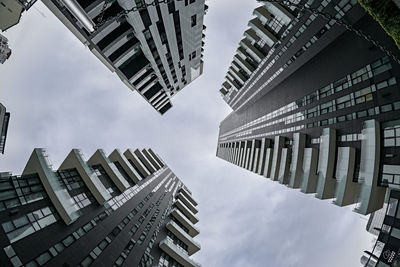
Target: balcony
[(188, 196), (177, 253), (185, 210), (252, 50), (55, 189), (279, 143), (262, 13), (326, 164), (187, 202), (116, 156), (299, 142), (262, 32), (310, 164), (346, 189), (193, 246), (193, 231), (245, 65), (100, 158), (251, 35), (371, 196), (75, 159)]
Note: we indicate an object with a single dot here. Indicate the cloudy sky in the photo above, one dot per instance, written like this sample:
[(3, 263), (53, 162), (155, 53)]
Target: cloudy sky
[(61, 97)]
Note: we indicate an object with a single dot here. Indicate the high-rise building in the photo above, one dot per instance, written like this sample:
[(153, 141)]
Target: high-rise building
[(375, 220), (11, 11), (5, 51), (385, 252), (315, 106), (155, 50), (127, 209), (4, 119)]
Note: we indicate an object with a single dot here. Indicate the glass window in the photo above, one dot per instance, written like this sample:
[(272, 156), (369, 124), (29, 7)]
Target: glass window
[(59, 247), (386, 108), (392, 81), (87, 261), (42, 259), (68, 241), (8, 227), (392, 207), (20, 221), (362, 114), (395, 233), (382, 85)]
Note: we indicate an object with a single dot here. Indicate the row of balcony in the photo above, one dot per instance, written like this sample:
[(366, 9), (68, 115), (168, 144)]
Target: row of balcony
[(328, 172), (132, 168), (253, 48), (181, 225)]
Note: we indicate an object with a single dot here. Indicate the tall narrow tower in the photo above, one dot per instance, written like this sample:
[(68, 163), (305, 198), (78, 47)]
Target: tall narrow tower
[(4, 120)]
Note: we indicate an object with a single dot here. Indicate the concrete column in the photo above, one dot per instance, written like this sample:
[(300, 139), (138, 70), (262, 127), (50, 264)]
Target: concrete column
[(326, 164), (265, 143), (309, 171), (284, 167), (279, 143), (299, 142), (346, 189)]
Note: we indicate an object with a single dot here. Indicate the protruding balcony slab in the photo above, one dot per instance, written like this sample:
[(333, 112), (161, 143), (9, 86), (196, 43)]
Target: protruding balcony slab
[(156, 157), (193, 246), (299, 142), (309, 172), (284, 167), (261, 31), (255, 156), (185, 210), (55, 189), (188, 195), (268, 162), (371, 195), (136, 164), (151, 159), (75, 160), (177, 253), (116, 156), (326, 164), (346, 189), (187, 202), (265, 143), (262, 13), (247, 154), (145, 161), (279, 143), (193, 230), (99, 157)]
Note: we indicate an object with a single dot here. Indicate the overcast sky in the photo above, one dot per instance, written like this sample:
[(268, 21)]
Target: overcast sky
[(61, 97)]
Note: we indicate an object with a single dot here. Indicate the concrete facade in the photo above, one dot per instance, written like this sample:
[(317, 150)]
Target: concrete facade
[(95, 212), (317, 80), (155, 51)]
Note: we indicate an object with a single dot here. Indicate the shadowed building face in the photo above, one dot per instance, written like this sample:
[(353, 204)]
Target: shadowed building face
[(97, 210)]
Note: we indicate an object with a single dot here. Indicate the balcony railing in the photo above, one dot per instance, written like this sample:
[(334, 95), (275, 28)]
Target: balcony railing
[(177, 253), (193, 246)]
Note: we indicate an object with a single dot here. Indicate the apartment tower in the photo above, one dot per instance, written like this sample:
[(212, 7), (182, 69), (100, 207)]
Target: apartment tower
[(315, 106), (4, 120), (125, 209), (155, 50)]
